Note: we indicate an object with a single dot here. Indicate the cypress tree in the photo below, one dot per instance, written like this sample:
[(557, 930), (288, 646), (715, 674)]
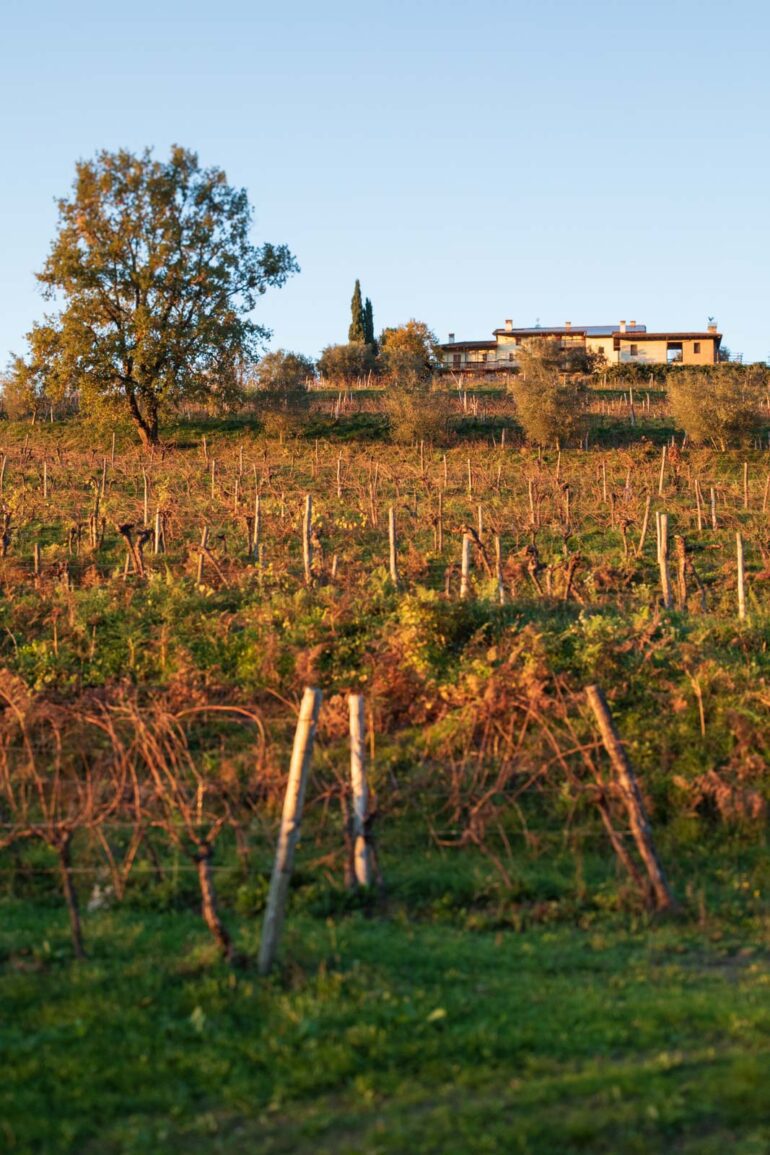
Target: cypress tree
[(369, 323), (357, 332)]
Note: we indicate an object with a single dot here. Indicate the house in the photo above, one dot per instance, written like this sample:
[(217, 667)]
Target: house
[(622, 344)]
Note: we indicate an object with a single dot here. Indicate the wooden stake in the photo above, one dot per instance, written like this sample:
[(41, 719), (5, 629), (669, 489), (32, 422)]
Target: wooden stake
[(257, 528), (288, 835), (645, 521), (499, 570), (465, 566), (665, 578), (393, 541), (202, 553), (662, 472), (632, 798), (307, 540), (741, 578), (362, 866)]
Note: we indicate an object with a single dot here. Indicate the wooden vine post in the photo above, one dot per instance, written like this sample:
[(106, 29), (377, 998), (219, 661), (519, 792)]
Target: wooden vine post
[(665, 578), (307, 540), (288, 836), (632, 799), (393, 542), (362, 865), (465, 566), (741, 578)]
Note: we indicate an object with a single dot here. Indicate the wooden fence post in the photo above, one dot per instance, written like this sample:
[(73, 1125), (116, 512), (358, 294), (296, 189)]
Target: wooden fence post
[(662, 478), (288, 836), (499, 570), (202, 553), (307, 541), (393, 542), (741, 578), (665, 578), (362, 866), (632, 798), (645, 520), (257, 529), (465, 566)]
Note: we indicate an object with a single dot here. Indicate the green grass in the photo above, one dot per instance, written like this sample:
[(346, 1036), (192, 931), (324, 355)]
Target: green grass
[(384, 1034)]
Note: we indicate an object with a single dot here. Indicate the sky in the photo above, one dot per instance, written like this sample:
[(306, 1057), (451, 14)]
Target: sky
[(541, 161)]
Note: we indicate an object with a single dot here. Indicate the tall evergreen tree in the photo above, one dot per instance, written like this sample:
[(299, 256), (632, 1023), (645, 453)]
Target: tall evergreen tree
[(369, 323), (357, 332)]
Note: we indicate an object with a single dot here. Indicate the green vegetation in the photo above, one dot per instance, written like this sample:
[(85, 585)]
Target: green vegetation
[(506, 987), (159, 279), (405, 1030)]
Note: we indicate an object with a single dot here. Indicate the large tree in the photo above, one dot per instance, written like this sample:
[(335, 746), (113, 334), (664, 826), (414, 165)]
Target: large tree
[(157, 278), (408, 353), (357, 330)]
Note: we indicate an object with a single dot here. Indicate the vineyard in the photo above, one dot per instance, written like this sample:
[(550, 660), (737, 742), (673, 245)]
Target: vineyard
[(479, 604)]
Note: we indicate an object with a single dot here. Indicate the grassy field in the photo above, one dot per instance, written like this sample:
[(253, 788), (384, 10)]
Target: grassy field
[(405, 1032), (506, 989)]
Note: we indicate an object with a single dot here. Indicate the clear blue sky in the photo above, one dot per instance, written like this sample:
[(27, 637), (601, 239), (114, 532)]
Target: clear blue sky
[(469, 162)]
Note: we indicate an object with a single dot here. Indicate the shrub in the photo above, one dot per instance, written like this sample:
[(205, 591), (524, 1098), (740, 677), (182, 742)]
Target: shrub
[(408, 353), (550, 398), (284, 372), (717, 405), (347, 363), (417, 414), (281, 394)]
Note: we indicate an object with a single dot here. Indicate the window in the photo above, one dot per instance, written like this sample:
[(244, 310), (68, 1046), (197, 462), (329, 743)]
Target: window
[(600, 349), (616, 343), (696, 346), (456, 360), (673, 351), (634, 350), (483, 357), (510, 356)]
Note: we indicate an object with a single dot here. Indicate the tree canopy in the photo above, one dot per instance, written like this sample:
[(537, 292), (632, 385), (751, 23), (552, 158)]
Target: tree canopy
[(157, 278), (357, 330), (408, 353)]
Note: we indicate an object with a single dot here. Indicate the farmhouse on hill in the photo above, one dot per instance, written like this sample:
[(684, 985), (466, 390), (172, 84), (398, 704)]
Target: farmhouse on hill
[(625, 343)]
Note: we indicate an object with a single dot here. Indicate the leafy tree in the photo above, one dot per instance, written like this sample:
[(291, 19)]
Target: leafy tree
[(408, 353), (284, 402), (417, 414), (551, 398), (546, 356), (159, 276), (717, 405), (285, 372), (347, 363), (357, 330)]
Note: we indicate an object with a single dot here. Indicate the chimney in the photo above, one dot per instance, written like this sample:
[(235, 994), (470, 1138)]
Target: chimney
[(509, 326), (451, 338), (712, 329), (622, 326), (633, 324), (567, 324)]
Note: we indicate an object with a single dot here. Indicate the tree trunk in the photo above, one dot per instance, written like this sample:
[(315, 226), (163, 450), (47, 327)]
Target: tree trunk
[(209, 909), (146, 424), (64, 850)]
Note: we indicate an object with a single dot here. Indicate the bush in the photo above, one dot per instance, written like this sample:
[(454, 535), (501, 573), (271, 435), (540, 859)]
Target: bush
[(284, 372), (281, 394), (408, 353), (417, 415), (347, 363), (717, 405)]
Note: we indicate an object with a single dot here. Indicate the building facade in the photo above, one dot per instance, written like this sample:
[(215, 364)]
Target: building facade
[(621, 344)]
